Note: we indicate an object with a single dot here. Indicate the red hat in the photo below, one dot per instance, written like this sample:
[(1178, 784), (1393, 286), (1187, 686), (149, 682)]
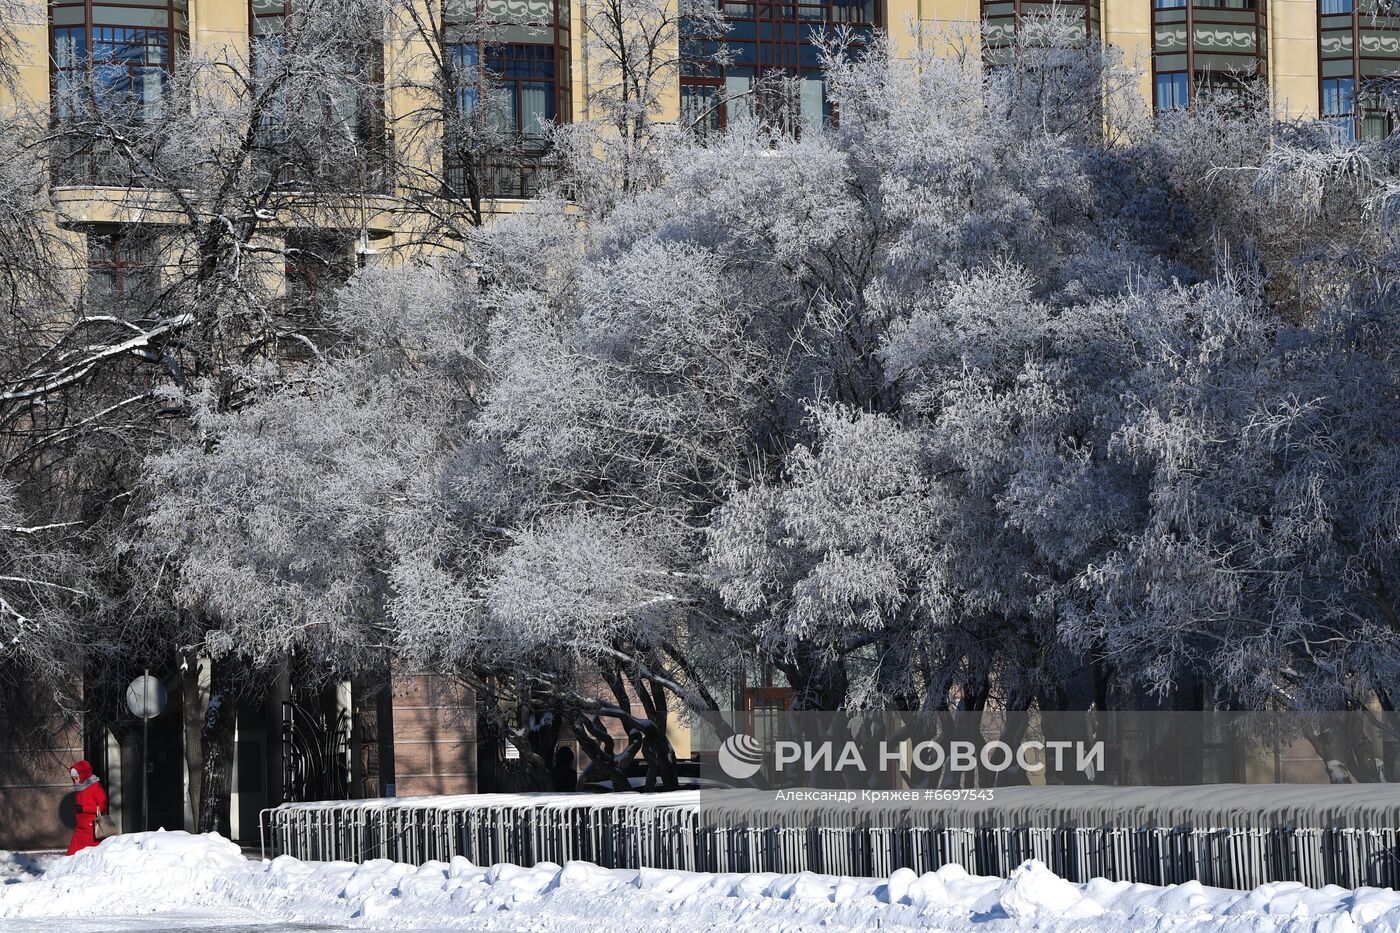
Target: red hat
[(83, 769)]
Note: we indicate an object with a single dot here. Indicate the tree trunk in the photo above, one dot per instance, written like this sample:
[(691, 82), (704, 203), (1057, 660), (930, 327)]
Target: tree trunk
[(1345, 749), (192, 710), (1013, 733), (598, 747), (966, 727), (819, 682), (216, 748)]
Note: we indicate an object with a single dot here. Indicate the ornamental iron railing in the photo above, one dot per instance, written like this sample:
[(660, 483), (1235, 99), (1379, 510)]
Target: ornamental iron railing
[(316, 749)]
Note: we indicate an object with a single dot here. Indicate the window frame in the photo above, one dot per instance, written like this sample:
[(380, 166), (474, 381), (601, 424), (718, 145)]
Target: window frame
[(1225, 13), (175, 32), (512, 175), (317, 262), (1183, 92), (1365, 73), (992, 15), (133, 266), (371, 127), (780, 35)]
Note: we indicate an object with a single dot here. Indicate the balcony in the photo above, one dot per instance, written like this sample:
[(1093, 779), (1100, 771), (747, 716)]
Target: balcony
[(81, 160), (1222, 44), (357, 168), (518, 171)]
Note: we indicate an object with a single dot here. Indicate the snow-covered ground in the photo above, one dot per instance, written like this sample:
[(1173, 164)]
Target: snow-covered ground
[(164, 881), (15, 866)]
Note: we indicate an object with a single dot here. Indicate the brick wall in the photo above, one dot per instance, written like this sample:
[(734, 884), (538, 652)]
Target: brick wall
[(36, 801), (434, 736)]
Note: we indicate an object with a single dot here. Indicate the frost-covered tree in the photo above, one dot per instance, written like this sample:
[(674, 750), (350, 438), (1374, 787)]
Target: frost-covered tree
[(653, 392), (44, 593), (842, 557), (279, 532), (993, 487), (631, 56), (1267, 562), (278, 527), (47, 592), (966, 289), (95, 376), (992, 394), (574, 572), (1265, 422)]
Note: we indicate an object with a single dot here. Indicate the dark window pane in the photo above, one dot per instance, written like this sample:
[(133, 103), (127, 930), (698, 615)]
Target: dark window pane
[(122, 269), (1338, 97), (318, 262), (1172, 91)]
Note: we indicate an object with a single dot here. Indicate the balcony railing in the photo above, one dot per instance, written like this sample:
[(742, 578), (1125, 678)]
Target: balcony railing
[(520, 170), (369, 168), (80, 158), (91, 161)]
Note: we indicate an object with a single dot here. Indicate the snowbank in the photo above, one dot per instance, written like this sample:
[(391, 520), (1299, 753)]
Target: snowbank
[(125, 873), (16, 866), (178, 872)]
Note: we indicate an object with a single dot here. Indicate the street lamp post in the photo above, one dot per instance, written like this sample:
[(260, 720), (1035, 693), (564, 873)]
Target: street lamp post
[(145, 697)]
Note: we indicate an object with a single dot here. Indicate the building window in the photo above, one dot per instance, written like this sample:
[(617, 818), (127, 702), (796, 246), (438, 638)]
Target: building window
[(346, 145), (269, 16), (1206, 47), (1002, 18), (122, 268), (1172, 91), (116, 58), (523, 82), (108, 63), (774, 69), (700, 108), (766, 712), (525, 79), (1377, 121), (1339, 106), (1358, 67), (525, 50), (1338, 97), (318, 263), (1221, 87)]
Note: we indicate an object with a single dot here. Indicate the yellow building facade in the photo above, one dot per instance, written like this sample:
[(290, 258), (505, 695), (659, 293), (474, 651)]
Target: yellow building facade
[(1329, 58), (1317, 58)]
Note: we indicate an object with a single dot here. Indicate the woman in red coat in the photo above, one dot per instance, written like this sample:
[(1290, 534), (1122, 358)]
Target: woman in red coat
[(92, 803)]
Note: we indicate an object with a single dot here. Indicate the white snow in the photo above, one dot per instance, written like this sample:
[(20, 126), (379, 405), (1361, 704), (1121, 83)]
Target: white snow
[(16, 866), (175, 874)]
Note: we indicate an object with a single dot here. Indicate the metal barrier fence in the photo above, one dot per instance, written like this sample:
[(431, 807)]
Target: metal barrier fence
[(1233, 836)]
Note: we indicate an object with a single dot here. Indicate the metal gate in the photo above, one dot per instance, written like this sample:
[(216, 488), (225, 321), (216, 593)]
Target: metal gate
[(315, 753)]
